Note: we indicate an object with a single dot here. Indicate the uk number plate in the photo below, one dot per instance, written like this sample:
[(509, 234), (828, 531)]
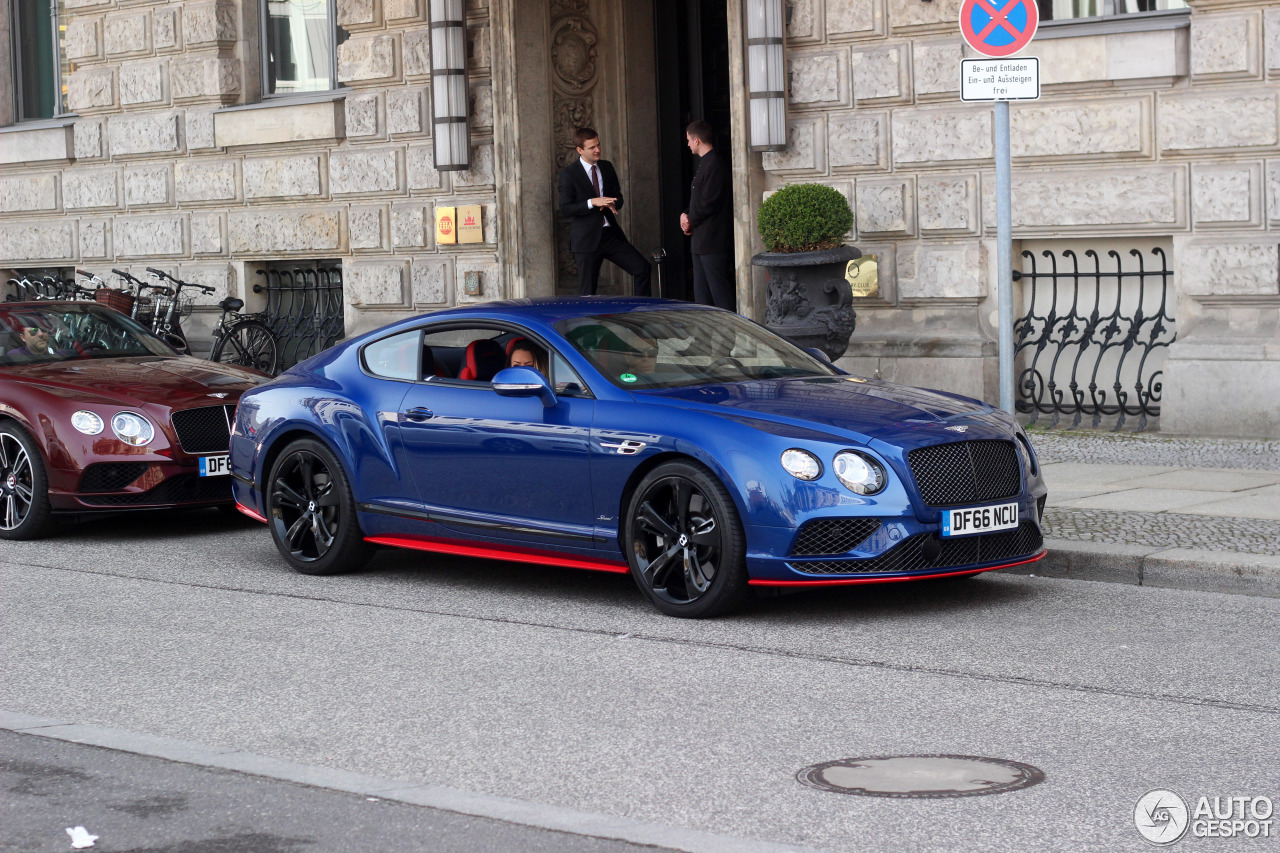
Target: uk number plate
[(215, 466), (981, 519)]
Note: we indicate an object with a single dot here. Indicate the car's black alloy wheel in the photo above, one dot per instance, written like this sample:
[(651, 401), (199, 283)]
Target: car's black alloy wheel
[(24, 486), (312, 513), (684, 542)]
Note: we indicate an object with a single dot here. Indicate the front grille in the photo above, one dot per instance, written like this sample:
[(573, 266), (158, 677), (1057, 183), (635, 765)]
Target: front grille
[(111, 476), (910, 555), (966, 472), (182, 489), (832, 536), (204, 430)]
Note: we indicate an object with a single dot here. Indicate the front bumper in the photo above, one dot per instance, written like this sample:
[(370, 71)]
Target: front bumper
[(900, 548)]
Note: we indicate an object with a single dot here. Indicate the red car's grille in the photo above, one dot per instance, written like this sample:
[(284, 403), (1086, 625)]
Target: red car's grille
[(205, 430), (111, 476), (182, 489)]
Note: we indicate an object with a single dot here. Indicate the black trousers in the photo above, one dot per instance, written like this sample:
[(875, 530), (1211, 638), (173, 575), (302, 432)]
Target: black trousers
[(713, 280), (616, 248)]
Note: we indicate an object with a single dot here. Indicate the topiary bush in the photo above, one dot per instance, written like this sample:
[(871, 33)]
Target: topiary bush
[(804, 218)]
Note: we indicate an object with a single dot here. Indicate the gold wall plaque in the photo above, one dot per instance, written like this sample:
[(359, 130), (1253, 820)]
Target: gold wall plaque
[(470, 227), (446, 225), (863, 275)]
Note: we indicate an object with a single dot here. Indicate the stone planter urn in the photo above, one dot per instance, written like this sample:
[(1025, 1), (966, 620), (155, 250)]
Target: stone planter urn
[(809, 301)]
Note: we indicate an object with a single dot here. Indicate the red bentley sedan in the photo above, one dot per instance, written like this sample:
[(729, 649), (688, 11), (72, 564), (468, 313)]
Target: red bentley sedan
[(97, 414)]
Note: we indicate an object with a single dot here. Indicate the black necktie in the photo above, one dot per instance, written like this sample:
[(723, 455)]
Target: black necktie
[(595, 185)]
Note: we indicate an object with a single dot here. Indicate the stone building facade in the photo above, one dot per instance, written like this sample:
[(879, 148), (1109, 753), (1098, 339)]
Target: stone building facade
[(1159, 129)]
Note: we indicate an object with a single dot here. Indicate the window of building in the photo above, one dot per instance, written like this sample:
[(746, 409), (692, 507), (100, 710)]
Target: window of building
[(1065, 10), (40, 64), (300, 42)]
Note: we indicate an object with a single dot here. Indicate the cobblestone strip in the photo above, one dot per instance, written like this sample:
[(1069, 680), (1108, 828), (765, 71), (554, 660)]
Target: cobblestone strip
[(1242, 535), (1130, 449)]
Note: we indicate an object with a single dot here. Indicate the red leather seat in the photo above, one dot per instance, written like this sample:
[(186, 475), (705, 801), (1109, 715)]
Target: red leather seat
[(511, 344), (482, 361)]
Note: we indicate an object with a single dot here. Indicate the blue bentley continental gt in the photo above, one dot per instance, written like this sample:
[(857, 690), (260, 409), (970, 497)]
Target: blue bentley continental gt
[(683, 444)]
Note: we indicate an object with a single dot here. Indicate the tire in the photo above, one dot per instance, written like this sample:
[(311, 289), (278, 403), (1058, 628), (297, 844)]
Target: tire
[(703, 572), (311, 512), (24, 486), (248, 343)]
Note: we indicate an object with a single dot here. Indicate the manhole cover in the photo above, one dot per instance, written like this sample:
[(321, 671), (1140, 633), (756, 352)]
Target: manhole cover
[(921, 776)]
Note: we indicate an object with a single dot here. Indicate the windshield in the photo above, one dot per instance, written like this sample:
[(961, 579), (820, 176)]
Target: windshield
[(673, 349), (70, 331)]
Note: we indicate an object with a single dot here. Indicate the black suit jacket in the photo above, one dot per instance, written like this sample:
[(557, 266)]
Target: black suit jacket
[(586, 223), (710, 206)]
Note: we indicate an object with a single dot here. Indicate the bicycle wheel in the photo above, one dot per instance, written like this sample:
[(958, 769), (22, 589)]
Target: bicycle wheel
[(249, 343)]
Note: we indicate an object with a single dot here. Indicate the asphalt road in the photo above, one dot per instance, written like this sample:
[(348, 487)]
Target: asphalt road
[(148, 805), (565, 688)]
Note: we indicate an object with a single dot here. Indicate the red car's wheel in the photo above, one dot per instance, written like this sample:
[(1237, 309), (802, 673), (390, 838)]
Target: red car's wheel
[(24, 487), (685, 544)]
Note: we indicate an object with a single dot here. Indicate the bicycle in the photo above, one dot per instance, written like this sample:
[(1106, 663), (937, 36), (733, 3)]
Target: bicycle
[(240, 339)]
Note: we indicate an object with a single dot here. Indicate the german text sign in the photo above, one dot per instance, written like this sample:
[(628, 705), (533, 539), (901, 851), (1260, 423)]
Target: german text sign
[(1000, 79), (998, 27)]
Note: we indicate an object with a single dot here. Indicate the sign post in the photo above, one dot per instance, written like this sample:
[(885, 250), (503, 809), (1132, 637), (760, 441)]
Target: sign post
[(999, 31)]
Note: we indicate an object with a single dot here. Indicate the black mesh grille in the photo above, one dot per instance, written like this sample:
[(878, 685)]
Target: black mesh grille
[(832, 536), (204, 430), (111, 476), (966, 472), (912, 555), (182, 489)]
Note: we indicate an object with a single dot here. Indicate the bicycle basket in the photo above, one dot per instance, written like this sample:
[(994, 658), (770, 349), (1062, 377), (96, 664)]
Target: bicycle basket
[(183, 309), (121, 300), (146, 310)]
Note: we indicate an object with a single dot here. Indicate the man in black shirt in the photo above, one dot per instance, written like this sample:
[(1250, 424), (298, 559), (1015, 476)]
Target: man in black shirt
[(590, 197), (709, 220)]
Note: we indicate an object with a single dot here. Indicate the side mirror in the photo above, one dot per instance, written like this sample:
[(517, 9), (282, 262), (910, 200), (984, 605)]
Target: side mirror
[(819, 354), (524, 382)]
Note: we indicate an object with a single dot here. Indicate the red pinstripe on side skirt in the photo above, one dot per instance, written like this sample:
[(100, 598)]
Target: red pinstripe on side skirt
[(847, 581), (244, 509), (500, 552)]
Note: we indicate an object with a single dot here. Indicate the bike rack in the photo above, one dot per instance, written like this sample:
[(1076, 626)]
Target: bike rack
[(304, 310)]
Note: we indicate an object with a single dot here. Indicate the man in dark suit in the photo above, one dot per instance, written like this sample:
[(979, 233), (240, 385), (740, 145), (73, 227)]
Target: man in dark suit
[(709, 220), (590, 197)]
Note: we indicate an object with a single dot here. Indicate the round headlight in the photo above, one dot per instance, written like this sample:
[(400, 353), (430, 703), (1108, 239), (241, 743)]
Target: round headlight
[(132, 429), (87, 422), (860, 474), (801, 464)]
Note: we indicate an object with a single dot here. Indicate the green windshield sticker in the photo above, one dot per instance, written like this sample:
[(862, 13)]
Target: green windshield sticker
[(628, 377)]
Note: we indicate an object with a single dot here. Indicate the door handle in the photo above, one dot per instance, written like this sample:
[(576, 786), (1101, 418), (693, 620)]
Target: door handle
[(419, 413)]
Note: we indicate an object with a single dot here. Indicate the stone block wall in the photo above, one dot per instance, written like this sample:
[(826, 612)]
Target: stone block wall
[(1170, 130), (176, 162)]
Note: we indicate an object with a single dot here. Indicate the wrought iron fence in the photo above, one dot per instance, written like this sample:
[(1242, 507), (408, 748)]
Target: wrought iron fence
[(304, 310), (1089, 330)]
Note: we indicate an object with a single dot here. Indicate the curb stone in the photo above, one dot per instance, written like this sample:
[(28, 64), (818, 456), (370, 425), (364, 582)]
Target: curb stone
[(1171, 568)]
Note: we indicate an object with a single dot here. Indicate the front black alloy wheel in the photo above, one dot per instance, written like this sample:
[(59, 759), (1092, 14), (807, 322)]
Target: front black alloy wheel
[(24, 486), (311, 512), (684, 542)]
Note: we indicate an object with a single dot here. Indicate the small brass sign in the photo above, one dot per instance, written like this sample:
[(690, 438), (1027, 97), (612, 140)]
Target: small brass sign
[(470, 227), (446, 225), (863, 275)]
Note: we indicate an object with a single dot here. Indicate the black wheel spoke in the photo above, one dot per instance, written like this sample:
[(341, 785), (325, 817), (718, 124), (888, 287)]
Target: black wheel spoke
[(682, 492), (660, 567), (655, 523), (307, 471), (705, 534), (293, 535), (286, 495)]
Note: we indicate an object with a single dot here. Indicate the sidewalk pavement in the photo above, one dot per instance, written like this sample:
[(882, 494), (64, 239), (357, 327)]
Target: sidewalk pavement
[(1188, 513)]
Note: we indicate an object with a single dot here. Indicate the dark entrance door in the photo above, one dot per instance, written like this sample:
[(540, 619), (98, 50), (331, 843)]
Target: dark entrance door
[(692, 51)]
